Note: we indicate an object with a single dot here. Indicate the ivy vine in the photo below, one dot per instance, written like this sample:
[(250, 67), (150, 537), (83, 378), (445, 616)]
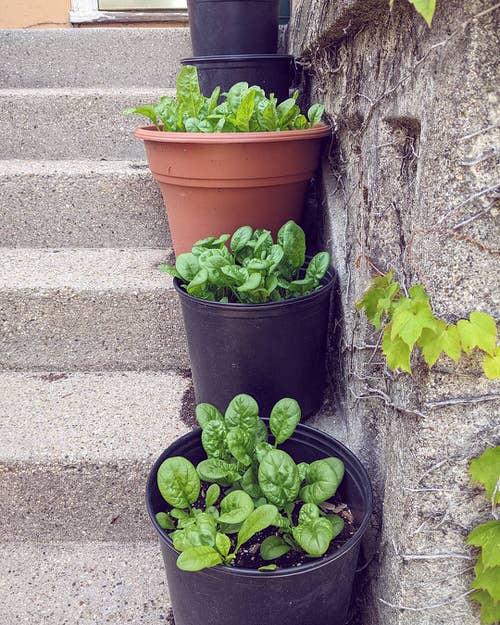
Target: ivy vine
[(426, 8), (408, 323), (486, 583)]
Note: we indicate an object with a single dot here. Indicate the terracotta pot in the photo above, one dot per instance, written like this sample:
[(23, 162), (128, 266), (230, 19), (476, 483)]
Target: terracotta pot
[(214, 183)]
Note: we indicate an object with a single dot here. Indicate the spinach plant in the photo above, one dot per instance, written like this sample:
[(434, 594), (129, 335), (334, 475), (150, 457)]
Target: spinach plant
[(243, 108), (254, 270), (263, 488)]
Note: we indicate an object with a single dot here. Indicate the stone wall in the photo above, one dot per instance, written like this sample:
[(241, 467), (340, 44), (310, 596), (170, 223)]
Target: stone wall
[(414, 109)]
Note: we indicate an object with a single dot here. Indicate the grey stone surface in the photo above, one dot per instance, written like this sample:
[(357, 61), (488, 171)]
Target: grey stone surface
[(88, 309), (397, 183), (81, 204), (76, 450), (77, 124), (92, 57), (83, 583), (57, 417)]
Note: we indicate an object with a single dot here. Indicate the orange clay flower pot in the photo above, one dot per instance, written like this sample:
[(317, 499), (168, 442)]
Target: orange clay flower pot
[(215, 183)]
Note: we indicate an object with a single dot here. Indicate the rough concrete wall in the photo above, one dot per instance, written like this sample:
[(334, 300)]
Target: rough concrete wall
[(413, 108)]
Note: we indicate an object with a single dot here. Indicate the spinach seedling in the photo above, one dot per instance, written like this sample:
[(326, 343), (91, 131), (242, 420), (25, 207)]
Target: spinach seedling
[(254, 270), (243, 108), (254, 486)]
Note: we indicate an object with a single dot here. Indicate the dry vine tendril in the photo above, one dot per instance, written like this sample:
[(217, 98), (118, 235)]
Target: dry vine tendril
[(486, 470), (409, 321)]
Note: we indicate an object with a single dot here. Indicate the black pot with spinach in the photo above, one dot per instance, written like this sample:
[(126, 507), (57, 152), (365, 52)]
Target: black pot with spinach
[(256, 313), (259, 519)]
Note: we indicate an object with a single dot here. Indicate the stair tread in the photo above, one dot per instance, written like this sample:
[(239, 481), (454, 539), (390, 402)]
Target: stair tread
[(131, 56), (64, 418), (83, 583), (80, 269)]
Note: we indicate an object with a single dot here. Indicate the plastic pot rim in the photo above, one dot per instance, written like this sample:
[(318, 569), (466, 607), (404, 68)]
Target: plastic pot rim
[(286, 572), (229, 58), (327, 286), (151, 133)]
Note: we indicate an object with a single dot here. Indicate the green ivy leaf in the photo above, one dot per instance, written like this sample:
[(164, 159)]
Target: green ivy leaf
[(444, 338), (486, 470), (491, 365), (480, 331), (396, 351), (409, 318), (490, 609), (487, 536), (378, 298), (487, 578), (426, 9)]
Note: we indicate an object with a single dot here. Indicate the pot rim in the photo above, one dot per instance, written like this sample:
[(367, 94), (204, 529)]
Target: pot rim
[(235, 57), (150, 133), (285, 572), (327, 286)]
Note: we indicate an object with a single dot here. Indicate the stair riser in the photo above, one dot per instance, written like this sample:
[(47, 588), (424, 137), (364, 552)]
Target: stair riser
[(82, 209), (91, 331), (83, 583), (104, 57), (71, 125), (80, 502)]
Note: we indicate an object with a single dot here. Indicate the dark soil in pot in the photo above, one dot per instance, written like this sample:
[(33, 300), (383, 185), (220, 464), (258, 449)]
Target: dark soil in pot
[(249, 557), (234, 26), (317, 593)]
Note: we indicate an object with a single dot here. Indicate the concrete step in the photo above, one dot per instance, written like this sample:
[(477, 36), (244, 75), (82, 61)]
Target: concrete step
[(88, 309), (73, 124), (81, 204), (76, 449), (83, 583), (92, 57)]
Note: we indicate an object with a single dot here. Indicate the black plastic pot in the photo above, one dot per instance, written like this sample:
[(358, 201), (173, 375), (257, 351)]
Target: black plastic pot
[(269, 351), (313, 594), (234, 26), (272, 72)]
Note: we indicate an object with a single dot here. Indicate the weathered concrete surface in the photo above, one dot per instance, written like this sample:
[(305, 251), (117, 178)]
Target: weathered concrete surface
[(397, 185), (88, 310), (73, 123), (83, 583), (81, 204), (76, 450), (39, 58)]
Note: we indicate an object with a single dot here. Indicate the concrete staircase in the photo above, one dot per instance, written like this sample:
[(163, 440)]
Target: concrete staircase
[(93, 358)]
